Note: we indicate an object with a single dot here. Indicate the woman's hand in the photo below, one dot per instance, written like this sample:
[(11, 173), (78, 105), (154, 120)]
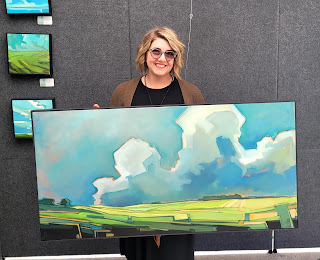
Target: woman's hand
[(96, 106)]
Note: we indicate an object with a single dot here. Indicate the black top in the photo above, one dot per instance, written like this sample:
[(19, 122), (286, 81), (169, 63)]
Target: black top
[(147, 96), (172, 247)]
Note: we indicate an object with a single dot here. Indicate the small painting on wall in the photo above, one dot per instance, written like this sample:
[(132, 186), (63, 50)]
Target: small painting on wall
[(21, 109), (29, 54), (177, 169), (28, 6)]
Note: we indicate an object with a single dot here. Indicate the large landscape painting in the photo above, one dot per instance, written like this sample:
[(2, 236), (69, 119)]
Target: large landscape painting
[(119, 172)]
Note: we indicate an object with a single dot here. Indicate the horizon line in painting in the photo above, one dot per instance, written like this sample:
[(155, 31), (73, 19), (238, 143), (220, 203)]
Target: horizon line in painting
[(28, 6), (166, 170)]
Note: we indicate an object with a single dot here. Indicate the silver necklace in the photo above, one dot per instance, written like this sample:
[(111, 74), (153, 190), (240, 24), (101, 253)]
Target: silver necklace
[(145, 83)]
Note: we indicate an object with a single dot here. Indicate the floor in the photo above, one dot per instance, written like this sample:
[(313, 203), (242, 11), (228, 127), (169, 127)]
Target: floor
[(282, 256), (242, 256), (266, 256)]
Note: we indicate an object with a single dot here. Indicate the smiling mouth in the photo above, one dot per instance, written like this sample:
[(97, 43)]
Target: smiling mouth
[(161, 66)]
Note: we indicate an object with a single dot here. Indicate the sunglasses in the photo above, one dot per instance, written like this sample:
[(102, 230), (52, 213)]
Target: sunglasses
[(156, 54)]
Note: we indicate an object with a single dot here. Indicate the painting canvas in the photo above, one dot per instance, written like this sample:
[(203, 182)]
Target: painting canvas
[(165, 170), (29, 54), (22, 114), (28, 7)]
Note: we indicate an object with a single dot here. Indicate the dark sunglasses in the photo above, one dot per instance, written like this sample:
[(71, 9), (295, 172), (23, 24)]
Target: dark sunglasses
[(156, 54)]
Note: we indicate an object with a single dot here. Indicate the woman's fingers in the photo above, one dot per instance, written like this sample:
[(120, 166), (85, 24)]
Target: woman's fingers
[(96, 106)]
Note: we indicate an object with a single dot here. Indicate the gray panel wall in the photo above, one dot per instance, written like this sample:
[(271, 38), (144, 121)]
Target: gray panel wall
[(299, 80), (240, 51)]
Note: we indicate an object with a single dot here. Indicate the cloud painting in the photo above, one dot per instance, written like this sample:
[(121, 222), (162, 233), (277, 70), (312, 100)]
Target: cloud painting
[(162, 155), (22, 115), (28, 6)]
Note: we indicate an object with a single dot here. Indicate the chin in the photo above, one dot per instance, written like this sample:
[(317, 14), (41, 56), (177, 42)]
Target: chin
[(161, 73)]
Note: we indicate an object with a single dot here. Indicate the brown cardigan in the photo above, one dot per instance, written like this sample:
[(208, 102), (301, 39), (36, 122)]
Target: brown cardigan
[(123, 94)]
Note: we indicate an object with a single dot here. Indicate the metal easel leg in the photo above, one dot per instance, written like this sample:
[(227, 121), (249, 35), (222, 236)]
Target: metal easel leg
[(272, 250)]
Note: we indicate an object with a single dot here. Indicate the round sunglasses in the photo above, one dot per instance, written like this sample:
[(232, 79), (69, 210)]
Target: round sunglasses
[(156, 54)]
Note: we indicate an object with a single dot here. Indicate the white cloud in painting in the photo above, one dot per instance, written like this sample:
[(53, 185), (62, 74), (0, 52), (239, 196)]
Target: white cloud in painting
[(26, 3), (129, 158), (134, 158), (201, 128), (129, 161), (280, 152), (202, 125), (36, 104)]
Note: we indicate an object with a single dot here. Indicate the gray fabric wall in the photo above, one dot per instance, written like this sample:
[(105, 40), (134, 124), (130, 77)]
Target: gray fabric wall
[(240, 51)]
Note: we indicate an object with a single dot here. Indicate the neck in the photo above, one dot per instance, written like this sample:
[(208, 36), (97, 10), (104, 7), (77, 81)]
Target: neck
[(157, 82)]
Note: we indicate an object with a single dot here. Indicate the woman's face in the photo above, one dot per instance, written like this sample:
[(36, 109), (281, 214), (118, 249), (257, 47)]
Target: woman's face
[(160, 66)]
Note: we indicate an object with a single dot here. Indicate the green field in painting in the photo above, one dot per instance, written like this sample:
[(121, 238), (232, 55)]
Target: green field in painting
[(23, 135), (188, 216), (36, 62)]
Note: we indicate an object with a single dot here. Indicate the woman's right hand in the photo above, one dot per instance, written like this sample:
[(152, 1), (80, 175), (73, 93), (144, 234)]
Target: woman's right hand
[(96, 106)]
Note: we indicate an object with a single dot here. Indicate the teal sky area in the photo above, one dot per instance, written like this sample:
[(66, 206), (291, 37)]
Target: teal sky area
[(28, 42), (26, 3), (265, 119)]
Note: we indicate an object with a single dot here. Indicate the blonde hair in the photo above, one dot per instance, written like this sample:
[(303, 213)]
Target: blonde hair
[(171, 37)]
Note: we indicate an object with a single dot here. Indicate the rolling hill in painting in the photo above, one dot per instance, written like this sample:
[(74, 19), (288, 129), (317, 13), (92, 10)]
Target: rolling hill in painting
[(27, 6), (28, 53), (165, 170)]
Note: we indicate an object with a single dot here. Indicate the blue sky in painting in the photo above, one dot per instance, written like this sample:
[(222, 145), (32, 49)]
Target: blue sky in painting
[(27, 6), (28, 42), (276, 119), (118, 157), (22, 113)]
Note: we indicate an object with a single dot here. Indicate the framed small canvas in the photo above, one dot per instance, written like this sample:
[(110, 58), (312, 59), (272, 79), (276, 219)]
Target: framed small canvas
[(140, 171), (29, 54), (28, 7), (21, 109)]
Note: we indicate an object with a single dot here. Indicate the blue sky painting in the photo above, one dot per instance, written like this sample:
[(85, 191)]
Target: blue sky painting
[(22, 115), (133, 157), (27, 6)]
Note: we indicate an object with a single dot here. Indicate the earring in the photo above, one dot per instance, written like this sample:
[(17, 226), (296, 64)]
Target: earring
[(172, 73)]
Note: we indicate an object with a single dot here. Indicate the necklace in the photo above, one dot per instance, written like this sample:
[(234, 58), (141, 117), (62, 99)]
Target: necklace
[(145, 83)]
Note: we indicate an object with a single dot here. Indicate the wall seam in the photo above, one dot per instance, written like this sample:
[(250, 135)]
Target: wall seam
[(189, 40), (278, 53), (129, 34)]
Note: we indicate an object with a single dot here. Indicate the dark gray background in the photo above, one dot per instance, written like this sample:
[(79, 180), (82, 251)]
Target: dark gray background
[(240, 51)]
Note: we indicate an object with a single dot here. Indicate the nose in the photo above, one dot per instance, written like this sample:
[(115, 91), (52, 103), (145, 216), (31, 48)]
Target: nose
[(162, 57)]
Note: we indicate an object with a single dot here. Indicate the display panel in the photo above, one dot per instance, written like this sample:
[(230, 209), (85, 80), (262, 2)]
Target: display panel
[(29, 54), (21, 109), (166, 170), (28, 6)]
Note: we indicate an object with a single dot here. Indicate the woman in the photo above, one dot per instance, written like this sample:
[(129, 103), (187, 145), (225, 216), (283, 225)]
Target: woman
[(160, 60)]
